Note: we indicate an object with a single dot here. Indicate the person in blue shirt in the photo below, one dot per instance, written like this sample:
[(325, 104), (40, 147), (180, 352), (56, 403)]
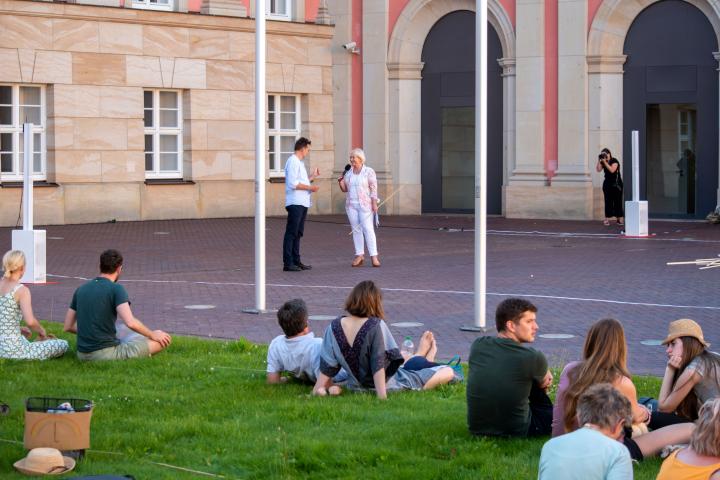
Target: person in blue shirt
[(297, 201), (594, 451)]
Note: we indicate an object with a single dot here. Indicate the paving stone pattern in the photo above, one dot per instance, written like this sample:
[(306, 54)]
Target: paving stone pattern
[(567, 268)]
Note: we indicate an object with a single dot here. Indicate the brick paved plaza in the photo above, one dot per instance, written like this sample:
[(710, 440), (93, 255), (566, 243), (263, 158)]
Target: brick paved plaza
[(576, 272)]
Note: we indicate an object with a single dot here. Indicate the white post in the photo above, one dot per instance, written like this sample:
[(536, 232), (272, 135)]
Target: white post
[(31, 242), (636, 211), (27, 176), (635, 166), (260, 152), (480, 271)]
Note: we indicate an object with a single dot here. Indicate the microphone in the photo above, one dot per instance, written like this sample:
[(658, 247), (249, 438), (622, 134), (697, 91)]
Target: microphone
[(347, 167)]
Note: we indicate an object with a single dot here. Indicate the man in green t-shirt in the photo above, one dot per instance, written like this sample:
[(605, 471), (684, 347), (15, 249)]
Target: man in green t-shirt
[(95, 307), (507, 381)]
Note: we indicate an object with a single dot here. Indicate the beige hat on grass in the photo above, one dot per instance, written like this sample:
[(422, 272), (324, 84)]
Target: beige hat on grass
[(44, 461), (684, 328)]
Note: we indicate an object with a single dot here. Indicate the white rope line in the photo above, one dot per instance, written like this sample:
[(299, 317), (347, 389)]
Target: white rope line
[(119, 454), (379, 205), (430, 291)]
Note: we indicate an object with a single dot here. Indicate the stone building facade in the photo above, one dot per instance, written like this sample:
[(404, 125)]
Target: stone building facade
[(146, 114), (566, 79), (144, 108)]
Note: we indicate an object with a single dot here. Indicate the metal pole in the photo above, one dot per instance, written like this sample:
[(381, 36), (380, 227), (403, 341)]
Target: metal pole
[(480, 273), (260, 152), (27, 176), (635, 166)]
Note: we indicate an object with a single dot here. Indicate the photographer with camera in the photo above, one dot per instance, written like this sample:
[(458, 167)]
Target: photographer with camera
[(612, 187)]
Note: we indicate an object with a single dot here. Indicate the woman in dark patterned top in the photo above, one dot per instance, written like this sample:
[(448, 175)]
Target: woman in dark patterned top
[(362, 344)]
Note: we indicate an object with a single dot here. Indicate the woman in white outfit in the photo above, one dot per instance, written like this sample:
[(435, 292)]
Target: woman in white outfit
[(361, 204)]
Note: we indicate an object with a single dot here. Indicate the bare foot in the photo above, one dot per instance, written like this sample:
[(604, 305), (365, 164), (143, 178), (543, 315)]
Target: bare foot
[(433, 350), (320, 392), (335, 390), (425, 344)]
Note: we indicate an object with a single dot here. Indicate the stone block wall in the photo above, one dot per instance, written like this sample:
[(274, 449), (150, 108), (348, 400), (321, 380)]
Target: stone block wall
[(95, 63)]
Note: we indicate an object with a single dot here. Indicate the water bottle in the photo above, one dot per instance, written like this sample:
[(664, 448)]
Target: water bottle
[(408, 348)]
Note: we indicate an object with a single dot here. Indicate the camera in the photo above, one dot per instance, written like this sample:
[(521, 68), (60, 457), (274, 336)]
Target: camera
[(602, 156), (351, 47)]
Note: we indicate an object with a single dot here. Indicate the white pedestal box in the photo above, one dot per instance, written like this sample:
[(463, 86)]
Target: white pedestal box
[(636, 219), (32, 244)]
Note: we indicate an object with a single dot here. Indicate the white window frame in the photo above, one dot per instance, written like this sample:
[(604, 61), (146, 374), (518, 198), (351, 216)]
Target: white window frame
[(279, 16), (156, 130), (147, 5), (278, 133), (16, 129)]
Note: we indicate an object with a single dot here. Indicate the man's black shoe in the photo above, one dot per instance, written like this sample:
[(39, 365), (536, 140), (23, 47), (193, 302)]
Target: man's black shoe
[(292, 268), (304, 267)]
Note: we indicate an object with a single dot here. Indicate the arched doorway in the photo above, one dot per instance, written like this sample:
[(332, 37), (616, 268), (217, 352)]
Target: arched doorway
[(448, 117), (670, 94)]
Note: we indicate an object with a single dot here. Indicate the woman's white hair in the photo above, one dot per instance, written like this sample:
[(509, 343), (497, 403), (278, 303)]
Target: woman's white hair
[(358, 153)]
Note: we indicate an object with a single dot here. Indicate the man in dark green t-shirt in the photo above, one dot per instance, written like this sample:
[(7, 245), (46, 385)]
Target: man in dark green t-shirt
[(507, 381), (95, 307)]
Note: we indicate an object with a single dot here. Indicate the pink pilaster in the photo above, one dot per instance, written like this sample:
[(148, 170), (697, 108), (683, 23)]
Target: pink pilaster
[(593, 6), (311, 9), (551, 86), (357, 75)]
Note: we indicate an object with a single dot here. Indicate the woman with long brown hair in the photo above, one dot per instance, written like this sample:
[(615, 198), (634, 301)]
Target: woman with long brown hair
[(692, 375), (361, 344), (605, 361)]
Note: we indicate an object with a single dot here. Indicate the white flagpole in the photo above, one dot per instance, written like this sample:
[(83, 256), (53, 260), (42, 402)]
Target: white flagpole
[(28, 150), (28, 240), (480, 272), (260, 153)]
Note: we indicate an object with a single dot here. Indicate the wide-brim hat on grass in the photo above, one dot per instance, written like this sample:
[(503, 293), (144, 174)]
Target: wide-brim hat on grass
[(685, 328), (44, 461)]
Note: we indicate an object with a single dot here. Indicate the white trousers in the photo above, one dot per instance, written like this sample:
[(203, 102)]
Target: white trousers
[(363, 231)]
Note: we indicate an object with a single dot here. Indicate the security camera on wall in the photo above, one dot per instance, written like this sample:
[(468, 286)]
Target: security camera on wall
[(351, 47)]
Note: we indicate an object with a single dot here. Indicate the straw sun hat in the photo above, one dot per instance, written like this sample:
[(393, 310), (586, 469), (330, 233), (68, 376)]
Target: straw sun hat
[(44, 461), (684, 328)]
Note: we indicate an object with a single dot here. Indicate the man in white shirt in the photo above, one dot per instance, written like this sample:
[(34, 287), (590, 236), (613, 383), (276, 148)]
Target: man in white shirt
[(297, 201)]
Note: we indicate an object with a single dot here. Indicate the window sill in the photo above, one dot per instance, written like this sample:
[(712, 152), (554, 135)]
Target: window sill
[(36, 183), (161, 8), (168, 181)]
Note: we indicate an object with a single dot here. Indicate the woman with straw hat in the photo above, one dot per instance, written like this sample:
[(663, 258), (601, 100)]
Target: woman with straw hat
[(692, 375), (16, 305)]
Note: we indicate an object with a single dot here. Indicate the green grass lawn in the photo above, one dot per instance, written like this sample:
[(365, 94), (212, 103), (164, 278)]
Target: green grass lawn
[(203, 405)]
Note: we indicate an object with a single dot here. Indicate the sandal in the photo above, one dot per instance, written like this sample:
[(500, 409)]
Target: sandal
[(358, 261), (606, 222), (454, 363)]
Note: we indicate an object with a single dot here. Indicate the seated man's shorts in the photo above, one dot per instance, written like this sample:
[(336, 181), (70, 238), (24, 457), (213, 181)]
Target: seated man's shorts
[(136, 348)]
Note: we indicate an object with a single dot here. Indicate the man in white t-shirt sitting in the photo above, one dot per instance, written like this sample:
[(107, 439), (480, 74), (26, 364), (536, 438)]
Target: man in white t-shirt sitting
[(298, 351)]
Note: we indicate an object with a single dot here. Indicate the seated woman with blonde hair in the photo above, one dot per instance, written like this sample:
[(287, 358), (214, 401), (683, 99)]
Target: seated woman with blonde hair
[(700, 460), (605, 361), (15, 305)]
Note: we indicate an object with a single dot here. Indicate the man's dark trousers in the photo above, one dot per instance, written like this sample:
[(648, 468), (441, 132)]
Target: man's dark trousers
[(293, 232)]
